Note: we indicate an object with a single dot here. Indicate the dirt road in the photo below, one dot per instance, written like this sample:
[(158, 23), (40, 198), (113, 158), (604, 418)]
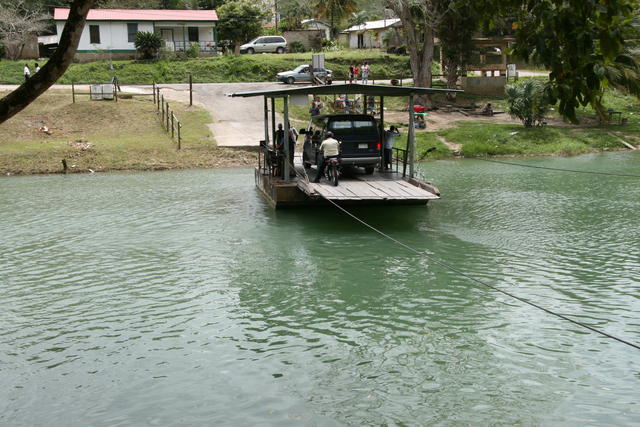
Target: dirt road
[(237, 122)]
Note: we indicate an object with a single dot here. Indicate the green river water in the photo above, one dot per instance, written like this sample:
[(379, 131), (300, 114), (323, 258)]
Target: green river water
[(182, 298)]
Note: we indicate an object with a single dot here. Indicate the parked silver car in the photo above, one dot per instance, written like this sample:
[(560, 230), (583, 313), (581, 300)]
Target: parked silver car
[(269, 44), (302, 74)]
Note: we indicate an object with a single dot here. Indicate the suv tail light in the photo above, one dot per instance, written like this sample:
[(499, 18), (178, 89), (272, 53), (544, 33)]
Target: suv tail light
[(378, 145)]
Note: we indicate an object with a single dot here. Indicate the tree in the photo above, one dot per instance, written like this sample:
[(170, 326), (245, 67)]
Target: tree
[(334, 11), (24, 95), (420, 18), (18, 23), (148, 44), (527, 103), (240, 21), (581, 43), (357, 18), (455, 33), (293, 12)]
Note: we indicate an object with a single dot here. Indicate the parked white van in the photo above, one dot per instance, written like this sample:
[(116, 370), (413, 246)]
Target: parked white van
[(270, 44)]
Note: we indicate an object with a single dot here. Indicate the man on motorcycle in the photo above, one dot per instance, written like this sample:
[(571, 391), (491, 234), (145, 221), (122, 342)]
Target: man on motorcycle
[(330, 148)]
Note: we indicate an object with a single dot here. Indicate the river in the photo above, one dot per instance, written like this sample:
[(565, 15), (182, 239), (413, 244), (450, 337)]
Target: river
[(182, 298)]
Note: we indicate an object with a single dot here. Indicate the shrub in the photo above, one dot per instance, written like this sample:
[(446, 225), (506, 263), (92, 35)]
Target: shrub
[(193, 51), (296, 46), (148, 44), (330, 46), (2, 50), (528, 103)]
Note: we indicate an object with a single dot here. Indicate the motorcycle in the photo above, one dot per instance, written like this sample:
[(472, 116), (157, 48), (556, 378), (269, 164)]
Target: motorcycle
[(332, 170)]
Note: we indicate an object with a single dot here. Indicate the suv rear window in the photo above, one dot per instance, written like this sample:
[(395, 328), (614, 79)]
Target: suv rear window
[(364, 127), (353, 127), (275, 40)]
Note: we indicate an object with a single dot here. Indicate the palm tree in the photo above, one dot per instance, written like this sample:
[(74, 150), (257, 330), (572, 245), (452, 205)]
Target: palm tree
[(334, 10), (357, 18)]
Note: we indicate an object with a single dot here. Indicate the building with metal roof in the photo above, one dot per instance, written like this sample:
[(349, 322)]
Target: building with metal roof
[(112, 32)]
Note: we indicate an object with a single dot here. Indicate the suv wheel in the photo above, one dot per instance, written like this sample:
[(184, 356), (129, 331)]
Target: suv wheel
[(280, 50), (251, 51), (369, 170), (291, 80)]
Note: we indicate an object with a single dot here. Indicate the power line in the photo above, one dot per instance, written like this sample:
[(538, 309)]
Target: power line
[(471, 278)]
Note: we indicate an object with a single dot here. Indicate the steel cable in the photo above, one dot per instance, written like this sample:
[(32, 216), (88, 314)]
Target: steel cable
[(473, 279)]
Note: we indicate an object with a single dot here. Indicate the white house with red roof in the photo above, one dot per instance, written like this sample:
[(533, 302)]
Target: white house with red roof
[(113, 31)]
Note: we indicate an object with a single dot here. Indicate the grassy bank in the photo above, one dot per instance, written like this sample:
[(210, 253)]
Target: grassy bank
[(123, 135), (244, 68)]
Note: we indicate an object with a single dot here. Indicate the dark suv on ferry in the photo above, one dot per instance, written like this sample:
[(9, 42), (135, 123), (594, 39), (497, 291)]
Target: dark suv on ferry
[(358, 134)]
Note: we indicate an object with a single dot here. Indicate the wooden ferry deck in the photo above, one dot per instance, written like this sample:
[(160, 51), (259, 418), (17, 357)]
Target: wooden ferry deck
[(355, 187), (379, 186)]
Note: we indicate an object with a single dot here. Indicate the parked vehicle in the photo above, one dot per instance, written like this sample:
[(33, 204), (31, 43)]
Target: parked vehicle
[(358, 134), (265, 44), (302, 73)]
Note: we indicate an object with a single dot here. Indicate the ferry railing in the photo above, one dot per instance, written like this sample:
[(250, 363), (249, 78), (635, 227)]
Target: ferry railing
[(399, 159), (269, 163)]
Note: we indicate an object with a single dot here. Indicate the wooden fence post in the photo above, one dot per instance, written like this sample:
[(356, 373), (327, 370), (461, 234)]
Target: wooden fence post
[(73, 92), (167, 117), (179, 139), (190, 89), (162, 110), (154, 92), (172, 125)]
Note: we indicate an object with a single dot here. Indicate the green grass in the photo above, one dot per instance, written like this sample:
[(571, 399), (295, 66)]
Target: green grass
[(228, 68), (481, 139), (107, 135)]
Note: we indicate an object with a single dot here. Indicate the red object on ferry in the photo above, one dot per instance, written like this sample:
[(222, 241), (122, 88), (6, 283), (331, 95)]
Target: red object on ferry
[(419, 108), (378, 145)]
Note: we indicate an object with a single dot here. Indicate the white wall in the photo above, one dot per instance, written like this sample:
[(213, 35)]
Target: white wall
[(113, 35)]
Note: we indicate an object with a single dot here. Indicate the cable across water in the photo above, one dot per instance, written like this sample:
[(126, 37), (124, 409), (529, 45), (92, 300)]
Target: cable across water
[(628, 175), (471, 278)]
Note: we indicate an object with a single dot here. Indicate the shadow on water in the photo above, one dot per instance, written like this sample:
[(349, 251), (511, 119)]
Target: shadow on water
[(330, 219)]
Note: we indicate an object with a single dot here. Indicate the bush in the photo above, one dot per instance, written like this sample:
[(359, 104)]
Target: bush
[(296, 46), (2, 50), (148, 44), (528, 103), (193, 51), (330, 46)]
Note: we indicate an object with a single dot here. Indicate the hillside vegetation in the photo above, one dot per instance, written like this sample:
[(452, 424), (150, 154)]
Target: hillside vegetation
[(244, 68)]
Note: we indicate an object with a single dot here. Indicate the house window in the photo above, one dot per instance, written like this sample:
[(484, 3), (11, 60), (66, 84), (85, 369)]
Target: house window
[(132, 30), (193, 34), (94, 34)]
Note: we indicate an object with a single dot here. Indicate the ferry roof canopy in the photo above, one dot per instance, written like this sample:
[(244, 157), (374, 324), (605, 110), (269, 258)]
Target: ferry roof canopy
[(367, 90)]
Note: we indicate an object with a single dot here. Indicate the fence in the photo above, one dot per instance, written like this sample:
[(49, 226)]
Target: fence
[(168, 119)]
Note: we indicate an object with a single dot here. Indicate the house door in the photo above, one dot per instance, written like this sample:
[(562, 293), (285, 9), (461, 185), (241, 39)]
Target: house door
[(167, 35), (360, 41)]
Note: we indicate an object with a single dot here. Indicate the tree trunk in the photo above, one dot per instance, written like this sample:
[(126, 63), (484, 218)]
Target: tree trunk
[(24, 95)]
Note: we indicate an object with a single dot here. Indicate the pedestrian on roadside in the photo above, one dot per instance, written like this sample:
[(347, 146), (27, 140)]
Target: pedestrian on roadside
[(365, 73), (26, 71), (356, 73), (37, 68), (350, 73), (390, 137)]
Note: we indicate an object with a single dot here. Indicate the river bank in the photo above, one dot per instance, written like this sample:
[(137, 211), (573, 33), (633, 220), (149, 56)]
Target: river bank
[(95, 136), (127, 135)]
